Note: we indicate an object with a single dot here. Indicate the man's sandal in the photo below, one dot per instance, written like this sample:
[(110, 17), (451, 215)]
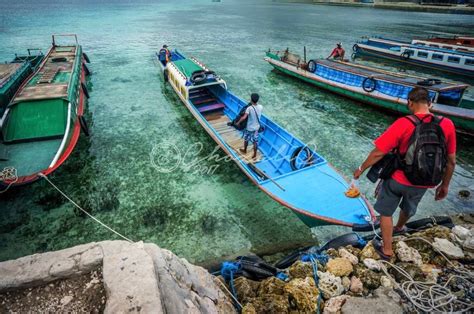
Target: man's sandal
[(378, 248)]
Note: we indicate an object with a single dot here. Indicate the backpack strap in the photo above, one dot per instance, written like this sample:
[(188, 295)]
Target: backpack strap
[(413, 119), (256, 115)]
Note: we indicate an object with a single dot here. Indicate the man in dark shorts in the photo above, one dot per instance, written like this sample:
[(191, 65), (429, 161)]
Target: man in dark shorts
[(398, 191)]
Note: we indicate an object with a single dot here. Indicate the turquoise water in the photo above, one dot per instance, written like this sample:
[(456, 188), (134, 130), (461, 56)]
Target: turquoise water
[(208, 212)]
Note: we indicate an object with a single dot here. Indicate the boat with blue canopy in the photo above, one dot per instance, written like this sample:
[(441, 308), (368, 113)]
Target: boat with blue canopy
[(418, 53), (286, 169), (377, 87)]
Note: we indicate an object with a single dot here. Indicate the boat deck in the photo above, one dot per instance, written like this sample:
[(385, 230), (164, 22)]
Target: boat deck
[(384, 75), (232, 136), (45, 84), (7, 70)]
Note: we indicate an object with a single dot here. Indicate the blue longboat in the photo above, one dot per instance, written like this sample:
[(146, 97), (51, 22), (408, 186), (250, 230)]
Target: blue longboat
[(286, 169), (419, 53)]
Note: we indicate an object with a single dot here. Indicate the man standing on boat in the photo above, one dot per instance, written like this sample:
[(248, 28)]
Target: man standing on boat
[(250, 133), (426, 146), (337, 53), (165, 54)]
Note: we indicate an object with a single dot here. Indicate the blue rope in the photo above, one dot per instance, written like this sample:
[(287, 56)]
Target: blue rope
[(314, 258), (228, 270), (361, 241)]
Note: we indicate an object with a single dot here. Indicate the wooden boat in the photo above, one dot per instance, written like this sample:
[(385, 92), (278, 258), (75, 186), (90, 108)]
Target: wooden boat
[(448, 60), (12, 74), (384, 89), (42, 123), (286, 169), (461, 43)]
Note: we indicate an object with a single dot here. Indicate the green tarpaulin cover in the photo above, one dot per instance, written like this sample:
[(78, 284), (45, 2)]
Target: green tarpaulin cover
[(187, 67), (36, 119)]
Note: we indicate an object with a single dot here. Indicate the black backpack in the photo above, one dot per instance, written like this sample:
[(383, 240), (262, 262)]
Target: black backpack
[(425, 161), (243, 125)]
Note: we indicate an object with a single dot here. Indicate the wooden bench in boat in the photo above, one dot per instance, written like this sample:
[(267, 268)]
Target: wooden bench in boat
[(211, 107), (48, 75), (44, 91), (231, 136)]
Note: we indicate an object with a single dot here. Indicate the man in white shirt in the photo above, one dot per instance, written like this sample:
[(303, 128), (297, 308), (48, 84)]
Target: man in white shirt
[(250, 133)]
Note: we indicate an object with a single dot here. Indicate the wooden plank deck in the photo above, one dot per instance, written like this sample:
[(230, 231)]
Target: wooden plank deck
[(232, 136)]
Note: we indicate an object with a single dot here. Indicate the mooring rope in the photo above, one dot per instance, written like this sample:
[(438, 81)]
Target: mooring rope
[(8, 173), (83, 210), (431, 297)]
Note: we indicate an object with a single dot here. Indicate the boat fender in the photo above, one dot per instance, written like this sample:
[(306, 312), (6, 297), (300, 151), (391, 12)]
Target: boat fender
[(429, 82), (369, 84), (296, 152), (198, 77), (165, 75), (86, 69), (355, 48), (84, 89), (405, 55), (312, 65), (346, 239), (428, 222), (86, 57), (288, 260), (84, 126), (366, 227)]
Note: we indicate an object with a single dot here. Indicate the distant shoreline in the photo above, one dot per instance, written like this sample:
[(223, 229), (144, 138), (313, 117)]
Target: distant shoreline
[(402, 6)]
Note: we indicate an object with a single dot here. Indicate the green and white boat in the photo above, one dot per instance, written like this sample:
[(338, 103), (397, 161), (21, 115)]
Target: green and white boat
[(41, 125), (377, 87), (14, 73)]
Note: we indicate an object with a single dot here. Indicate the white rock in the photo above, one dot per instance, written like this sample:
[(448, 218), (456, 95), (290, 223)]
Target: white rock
[(372, 264), (468, 245), (386, 282), (408, 254), (448, 248), (348, 255), (334, 305), (66, 300), (330, 285), (356, 285), (461, 232), (384, 301)]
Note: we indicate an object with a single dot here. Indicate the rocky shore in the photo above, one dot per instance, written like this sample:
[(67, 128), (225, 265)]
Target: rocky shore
[(432, 271), (355, 280)]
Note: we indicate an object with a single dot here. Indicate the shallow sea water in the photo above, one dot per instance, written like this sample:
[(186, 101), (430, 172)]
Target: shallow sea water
[(210, 211)]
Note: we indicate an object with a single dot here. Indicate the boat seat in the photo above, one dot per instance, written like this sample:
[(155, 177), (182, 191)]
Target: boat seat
[(48, 75), (212, 107), (203, 101)]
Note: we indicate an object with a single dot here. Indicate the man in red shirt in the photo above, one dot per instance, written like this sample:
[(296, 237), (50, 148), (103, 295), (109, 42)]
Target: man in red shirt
[(398, 190), (337, 53)]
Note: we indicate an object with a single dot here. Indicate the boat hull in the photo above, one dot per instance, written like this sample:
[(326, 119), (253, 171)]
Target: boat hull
[(400, 108), (60, 149), (364, 50)]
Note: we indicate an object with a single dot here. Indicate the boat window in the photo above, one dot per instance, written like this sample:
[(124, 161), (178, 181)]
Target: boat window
[(437, 56), (469, 62), (453, 59), (411, 52), (447, 47), (436, 46), (422, 54)]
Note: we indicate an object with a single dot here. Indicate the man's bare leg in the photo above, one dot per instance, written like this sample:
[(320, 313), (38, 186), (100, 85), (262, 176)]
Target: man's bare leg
[(402, 220), (244, 150), (386, 227), (254, 150)]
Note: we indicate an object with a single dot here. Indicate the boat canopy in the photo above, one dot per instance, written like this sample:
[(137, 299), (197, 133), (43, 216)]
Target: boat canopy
[(36, 120), (187, 67)]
